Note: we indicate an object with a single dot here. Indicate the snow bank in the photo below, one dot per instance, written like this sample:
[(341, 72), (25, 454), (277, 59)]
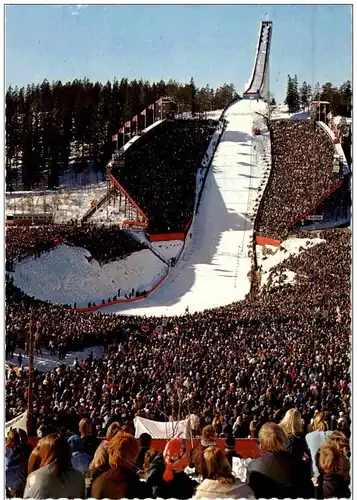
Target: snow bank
[(68, 274), (168, 249), (44, 362), (269, 256)]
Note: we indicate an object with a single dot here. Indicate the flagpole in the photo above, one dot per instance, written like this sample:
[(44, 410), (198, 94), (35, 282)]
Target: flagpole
[(117, 141), (145, 119)]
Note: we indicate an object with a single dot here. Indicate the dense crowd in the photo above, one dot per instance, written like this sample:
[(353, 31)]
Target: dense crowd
[(290, 345), (238, 368), (301, 175), (160, 172), (291, 464), (105, 243)]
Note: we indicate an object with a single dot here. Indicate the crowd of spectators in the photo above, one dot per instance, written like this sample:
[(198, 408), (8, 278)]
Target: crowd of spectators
[(105, 243), (301, 175), (83, 466), (287, 346), (160, 172), (238, 368)]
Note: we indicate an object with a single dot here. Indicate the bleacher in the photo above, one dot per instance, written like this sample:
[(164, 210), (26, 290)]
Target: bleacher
[(160, 172)]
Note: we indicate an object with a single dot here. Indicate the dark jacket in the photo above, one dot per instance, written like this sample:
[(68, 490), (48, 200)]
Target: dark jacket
[(230, 454), (278, 475), (181, 487), (141, 457), (119, 483), (297, 446), (196, 459), (333, 486)]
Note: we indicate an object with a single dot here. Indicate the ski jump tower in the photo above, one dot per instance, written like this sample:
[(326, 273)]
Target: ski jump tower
[(258, 84)]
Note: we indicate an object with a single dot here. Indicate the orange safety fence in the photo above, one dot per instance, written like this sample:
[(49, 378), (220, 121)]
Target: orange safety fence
[(264, 240)]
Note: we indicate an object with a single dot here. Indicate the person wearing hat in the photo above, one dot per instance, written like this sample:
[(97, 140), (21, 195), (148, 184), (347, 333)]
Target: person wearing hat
[(230, 449), (196, 458), (166, 474)]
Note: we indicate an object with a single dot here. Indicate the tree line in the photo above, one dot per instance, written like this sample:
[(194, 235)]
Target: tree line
[(340, 98), (50, 123)]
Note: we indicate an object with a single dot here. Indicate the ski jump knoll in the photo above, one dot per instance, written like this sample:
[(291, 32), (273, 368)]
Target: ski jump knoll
[(213, 270)]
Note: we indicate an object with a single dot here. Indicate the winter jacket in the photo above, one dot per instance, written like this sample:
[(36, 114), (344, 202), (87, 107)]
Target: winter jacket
[(210, 488), (335, 486), (279, 475), (196, 459), (87, 444), (181, 487), (45, 483), (81, 461), (15, 471), (119, 483), (314, 441), (297, 446)]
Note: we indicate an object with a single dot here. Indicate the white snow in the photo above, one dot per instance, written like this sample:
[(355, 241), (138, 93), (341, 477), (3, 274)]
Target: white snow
[(275, 255), (168, 249), (215, 263), (282, 112), (64, 275), (45, 362), (64, 204)]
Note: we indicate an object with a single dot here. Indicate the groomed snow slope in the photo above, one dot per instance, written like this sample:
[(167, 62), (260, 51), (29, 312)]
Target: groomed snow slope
[(214, 266), (64, 275)]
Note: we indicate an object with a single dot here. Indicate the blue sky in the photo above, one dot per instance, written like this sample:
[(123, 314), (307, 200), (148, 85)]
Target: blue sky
[(212, 43)]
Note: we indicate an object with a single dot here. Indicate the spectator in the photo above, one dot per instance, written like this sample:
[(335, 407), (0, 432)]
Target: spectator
[(331, 465), (145, 443), (166, 476), (276, 474), (197, 453), (316, 438), (52, 474), (220, 482), (121, 480), (230, 449), (15, 464), (80, 459), (292, 426), (87, 443)]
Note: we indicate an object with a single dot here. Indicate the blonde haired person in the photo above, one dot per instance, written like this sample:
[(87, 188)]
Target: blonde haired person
[(276, 474), (292, 426), (316, 438), (220, 482)]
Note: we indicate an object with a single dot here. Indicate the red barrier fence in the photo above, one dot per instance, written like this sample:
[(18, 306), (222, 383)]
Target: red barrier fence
[(247, 448), (166, 237), (120, 301)]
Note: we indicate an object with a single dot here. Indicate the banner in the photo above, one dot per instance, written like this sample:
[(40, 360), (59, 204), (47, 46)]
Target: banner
[(135, 119), (143, 113), (114, 137), (19, 422), (160, 430)]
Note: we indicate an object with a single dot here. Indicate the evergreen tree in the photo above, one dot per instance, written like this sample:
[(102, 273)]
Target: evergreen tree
[(305, 94), (292, 95)]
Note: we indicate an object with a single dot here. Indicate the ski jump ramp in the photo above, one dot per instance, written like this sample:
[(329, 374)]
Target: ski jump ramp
[(213, 270)]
